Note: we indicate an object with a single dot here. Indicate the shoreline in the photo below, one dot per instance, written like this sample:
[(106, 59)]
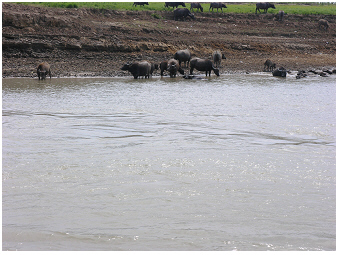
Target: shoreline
[(97, 44)]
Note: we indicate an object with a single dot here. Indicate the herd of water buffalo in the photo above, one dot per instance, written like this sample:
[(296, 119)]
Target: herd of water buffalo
[(173, 66), (183, 13)]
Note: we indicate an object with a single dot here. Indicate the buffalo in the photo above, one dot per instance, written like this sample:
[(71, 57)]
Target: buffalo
[(173, 67), (269, 65), (182, 13), (280, 14), (323, 24), (170, 66), (280, 72), (264, 6), (217, 58), (203, 65), (153, 68), (163, 66), (196, 6), (42, 70), (174, 4), (137, 69), (183, 56), (140, 3), (217, 6)]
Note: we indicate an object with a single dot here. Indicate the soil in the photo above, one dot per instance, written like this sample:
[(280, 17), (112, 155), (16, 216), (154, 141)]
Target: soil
[(97, 42)]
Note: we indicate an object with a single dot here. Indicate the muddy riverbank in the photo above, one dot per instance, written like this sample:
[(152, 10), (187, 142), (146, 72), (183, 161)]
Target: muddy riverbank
[(92, 42)]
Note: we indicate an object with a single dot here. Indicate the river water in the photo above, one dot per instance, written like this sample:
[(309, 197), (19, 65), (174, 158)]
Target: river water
[(236, 162)]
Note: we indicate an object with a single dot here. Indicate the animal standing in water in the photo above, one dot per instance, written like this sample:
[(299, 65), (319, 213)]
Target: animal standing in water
[(42, 70)]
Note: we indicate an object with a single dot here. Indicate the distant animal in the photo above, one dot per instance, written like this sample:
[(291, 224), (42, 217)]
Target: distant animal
[(174, 4), (269, 65), (264, 6), (217, 57), (182, 13), (140, 3), (301, 74), (196, 6), (153, 67), (137, 69), (323, 24), (173, 67), (203, 65), (163, 66), (280, 72), (42, 70), (183, 56), (217, 6), (280, 15)]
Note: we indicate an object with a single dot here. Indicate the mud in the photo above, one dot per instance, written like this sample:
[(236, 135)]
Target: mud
[(93, 42)]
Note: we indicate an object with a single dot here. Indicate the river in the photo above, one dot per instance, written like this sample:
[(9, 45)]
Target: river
[(236, 162)]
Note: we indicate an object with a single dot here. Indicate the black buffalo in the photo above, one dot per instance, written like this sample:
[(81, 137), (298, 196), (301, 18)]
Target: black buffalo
[(140, 3), (173, 67), (174, 4), (264, 6), (183, 56), (217, 6), (137, 69), (203, 65), (269, 65), (196, 6), (217, 58), (280, 15), (182, 13), (42, 70), (280, 72)]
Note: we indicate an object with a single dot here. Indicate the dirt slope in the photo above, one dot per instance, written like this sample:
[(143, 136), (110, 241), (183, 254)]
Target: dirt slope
[(91, 42)]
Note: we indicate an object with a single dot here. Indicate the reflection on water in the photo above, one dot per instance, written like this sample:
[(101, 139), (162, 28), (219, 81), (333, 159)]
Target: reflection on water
[(236, 162)]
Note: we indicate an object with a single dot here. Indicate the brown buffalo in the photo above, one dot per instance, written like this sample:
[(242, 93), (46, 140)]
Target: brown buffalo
[(323, 24)]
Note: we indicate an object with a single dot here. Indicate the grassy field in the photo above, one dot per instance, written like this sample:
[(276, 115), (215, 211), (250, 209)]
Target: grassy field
[(294, 8)]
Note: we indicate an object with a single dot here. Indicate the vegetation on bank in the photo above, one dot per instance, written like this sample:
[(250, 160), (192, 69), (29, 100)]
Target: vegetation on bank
[(289, 8)]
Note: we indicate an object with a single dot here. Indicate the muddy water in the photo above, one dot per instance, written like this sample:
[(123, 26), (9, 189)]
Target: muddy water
[(238, 162)]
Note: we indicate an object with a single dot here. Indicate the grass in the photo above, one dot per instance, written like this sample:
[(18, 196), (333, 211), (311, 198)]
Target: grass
[(292, 8)]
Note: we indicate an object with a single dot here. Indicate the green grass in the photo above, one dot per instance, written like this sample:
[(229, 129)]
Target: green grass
[(292, 8)]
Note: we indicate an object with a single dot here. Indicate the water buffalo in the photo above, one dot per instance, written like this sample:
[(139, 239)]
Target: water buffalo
[(196, 6), (173, 67), (137, 69), (217, 6), (203, 65), (264, 6), (140, 3), (168, 66), (280, 15), (269, 65), (163, 66), (183, 56), (281, 72), (174, 4), (323, 24), (42, 70), (182, 13), (153, 68), (217, 58)]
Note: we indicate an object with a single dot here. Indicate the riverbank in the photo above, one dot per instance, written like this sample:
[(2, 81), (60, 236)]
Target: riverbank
[(97, 42)]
